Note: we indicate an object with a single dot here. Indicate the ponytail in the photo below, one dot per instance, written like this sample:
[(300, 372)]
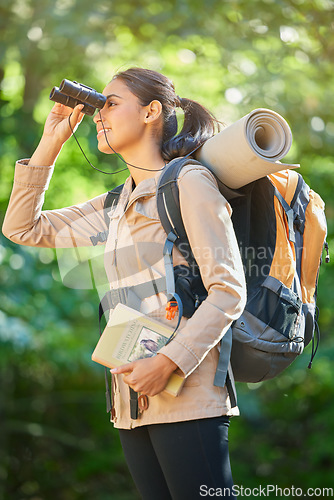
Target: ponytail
[(198, 126)]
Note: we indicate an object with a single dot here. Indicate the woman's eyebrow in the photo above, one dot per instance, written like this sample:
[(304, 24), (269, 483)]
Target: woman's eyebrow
[(114, 95)]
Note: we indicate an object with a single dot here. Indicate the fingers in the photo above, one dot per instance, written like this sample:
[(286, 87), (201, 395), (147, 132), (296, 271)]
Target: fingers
[(61, 109), (128, 368), (141, 377), (127, 379), (77, 115)]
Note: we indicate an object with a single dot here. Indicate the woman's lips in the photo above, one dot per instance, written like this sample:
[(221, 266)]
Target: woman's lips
[(102, 131)]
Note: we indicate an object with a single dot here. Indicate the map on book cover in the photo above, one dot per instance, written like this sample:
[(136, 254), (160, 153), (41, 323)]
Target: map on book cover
[(129, 336)]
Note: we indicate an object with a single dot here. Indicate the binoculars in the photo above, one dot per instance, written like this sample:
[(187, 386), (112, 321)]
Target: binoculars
[(73, 93)]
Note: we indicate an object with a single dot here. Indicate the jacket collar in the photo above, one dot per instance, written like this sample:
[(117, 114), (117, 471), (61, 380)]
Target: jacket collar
[(129, 195)]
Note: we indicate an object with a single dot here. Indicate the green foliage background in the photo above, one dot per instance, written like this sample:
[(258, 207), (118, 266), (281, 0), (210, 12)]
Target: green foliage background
[(233, 56)]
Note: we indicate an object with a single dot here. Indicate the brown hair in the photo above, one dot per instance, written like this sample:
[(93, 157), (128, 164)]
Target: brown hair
[(198, 126)]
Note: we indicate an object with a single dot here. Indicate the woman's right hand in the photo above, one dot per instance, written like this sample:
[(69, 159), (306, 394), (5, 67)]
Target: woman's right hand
[(56, 132), (57, 128)]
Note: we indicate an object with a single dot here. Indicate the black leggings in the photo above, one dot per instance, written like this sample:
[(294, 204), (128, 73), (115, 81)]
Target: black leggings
[(180, 460)]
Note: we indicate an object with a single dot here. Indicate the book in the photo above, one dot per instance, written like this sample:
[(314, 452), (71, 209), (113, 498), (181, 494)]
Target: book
[(130, 335)]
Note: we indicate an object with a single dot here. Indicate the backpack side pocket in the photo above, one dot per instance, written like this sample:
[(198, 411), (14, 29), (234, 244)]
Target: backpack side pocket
[(313, 242)]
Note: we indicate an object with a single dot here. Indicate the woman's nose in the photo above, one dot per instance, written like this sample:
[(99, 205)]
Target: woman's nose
[(97, 118)]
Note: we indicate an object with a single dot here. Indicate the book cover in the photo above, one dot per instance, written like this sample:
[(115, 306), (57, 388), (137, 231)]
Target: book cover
[(129, 336)]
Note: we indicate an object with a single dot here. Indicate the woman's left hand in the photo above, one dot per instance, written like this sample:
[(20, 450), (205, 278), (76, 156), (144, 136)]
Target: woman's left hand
[(149, 375)]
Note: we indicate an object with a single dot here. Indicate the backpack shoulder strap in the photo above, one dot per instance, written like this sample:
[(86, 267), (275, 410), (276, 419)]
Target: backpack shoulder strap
[(168, 205), (111, 199), (168, 202)]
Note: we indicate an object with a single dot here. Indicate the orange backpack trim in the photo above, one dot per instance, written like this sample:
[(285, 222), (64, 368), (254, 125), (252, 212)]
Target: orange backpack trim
[(284, 261), (283, 266), (314, 236)]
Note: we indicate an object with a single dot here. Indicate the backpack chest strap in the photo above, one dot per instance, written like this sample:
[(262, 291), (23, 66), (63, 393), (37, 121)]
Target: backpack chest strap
[(132, 295)]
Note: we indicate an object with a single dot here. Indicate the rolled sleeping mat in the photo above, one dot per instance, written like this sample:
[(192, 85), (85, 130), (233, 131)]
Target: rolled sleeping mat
[(248, 149)]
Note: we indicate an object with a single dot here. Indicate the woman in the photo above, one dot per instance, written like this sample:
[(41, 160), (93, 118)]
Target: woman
[(178, 445)]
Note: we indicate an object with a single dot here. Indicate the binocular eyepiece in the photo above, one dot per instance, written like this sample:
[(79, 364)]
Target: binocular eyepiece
[(73, 93)]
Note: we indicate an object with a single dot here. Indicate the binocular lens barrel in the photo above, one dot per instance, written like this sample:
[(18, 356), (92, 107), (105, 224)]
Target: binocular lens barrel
[(57, 96), (83, 93)]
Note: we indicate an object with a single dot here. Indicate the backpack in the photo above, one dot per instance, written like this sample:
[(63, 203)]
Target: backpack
[(280, 227)]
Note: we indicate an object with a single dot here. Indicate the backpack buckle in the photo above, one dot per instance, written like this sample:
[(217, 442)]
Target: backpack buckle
[(99, 238)]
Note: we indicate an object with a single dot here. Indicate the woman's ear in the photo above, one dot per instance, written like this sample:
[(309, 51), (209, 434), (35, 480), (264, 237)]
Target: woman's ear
[(152, 111)]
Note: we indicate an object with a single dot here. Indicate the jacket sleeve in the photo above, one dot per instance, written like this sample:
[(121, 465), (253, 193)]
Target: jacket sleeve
[(207, 220), (26, 224)]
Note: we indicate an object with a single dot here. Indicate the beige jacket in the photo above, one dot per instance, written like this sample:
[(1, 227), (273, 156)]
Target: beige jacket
[(133, 255)]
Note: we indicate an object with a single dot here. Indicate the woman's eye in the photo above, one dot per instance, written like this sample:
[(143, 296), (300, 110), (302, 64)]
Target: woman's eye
[(110, 104)]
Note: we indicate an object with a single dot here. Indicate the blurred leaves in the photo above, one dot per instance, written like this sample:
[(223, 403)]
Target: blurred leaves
[(232, 56)]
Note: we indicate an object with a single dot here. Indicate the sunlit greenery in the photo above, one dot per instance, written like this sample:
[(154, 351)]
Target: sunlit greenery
[(233, 56)]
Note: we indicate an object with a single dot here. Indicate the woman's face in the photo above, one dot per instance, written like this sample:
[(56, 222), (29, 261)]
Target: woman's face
[(123, 118)]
